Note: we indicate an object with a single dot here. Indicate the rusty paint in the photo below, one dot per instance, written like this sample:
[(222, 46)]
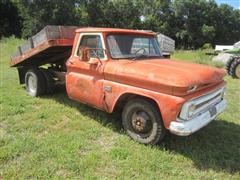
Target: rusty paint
[(165, 81), (40, 49)]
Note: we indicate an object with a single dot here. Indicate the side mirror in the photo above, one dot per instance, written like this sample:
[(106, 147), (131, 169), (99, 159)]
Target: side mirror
[(83, 54), (90, 55)]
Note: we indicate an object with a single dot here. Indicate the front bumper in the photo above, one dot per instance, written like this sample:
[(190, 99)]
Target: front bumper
[(185, 128)]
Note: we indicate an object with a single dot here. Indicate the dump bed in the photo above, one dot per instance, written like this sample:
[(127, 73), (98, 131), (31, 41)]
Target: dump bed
[(51, 44), (167, 44)]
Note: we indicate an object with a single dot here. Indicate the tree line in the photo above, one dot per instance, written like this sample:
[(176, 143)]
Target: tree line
[(191, 23)]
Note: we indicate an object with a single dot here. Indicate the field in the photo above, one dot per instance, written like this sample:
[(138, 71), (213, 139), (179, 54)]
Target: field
[(54, 137)]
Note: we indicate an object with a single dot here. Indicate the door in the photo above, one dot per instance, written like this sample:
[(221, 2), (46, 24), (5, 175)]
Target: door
[(84, 81)]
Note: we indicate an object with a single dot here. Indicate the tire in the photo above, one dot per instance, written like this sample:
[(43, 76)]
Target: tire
[(50, 87), (142, 122), (35, 82), (228, 64), (235, 68)]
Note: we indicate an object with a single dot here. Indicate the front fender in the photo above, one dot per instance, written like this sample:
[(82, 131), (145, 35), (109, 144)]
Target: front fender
[(169, 106)]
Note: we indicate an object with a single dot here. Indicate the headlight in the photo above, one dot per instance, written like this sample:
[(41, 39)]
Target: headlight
[(191, 110)]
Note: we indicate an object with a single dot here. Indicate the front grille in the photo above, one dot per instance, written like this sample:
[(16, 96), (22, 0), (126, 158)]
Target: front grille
[(202, 103), (210, 101)]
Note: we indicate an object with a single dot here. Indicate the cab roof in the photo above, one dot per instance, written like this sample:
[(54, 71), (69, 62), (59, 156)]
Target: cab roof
[(115, 30)]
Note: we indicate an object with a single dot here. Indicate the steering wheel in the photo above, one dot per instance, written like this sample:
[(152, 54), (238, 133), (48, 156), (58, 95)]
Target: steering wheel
[(144, 51)]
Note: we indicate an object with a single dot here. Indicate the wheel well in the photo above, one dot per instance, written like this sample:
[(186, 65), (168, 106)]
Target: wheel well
[(122, 100), (21, 74), (22, 70)]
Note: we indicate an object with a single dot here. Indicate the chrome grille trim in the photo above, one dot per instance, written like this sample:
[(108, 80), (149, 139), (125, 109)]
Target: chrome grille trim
[(203, 103)]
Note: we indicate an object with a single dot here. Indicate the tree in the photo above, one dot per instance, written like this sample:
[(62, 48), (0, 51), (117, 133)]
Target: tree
[(195, 21), (10, 20), (227, 25), (38, 13), (158, 16), (190, 22), (208, 33), (114, 13)]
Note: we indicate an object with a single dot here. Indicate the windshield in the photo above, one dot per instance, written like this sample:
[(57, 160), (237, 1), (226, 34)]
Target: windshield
[(133, 46)]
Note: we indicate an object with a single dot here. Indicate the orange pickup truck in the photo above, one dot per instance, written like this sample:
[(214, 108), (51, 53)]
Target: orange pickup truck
[(110, 69)]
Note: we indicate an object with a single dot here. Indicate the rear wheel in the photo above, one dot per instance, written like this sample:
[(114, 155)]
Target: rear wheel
[(35, 82), (50, 87), (142, 121), (235, 68), (228, 65)]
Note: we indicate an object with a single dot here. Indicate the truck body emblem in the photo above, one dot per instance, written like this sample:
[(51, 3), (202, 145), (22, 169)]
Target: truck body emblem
[(107, 88)]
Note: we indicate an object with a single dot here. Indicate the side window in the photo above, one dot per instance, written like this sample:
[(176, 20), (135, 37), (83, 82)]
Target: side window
[(92, 42)]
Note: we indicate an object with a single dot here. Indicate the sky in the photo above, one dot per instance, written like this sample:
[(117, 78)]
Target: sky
[(234, 3)]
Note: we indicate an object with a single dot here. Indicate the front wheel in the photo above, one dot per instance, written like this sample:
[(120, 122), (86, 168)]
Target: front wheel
[(142, 122)]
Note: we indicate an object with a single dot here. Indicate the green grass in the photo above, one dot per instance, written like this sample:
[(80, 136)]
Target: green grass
[(197, 56), (54, 137)]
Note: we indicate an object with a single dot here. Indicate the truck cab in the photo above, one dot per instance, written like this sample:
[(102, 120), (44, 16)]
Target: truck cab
[(110, 69)]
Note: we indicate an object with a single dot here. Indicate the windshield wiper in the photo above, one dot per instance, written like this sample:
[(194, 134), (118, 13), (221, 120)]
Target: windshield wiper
[(141, 56)]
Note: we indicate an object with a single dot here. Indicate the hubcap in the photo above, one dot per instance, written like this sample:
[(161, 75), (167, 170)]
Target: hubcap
[(141, 122), (32, 84), (238, 71)]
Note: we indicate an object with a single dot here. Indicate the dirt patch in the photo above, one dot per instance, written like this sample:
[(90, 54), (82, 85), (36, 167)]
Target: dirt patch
[(3, 128), (59, 125), (106, 141), (62, 173), (63, 123), (84, 151)]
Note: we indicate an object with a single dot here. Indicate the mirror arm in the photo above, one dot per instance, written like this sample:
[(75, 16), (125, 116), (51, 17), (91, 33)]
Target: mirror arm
[(95, 53)]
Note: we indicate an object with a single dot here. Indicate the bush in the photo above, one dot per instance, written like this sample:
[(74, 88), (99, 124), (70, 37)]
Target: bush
[(207, 46)]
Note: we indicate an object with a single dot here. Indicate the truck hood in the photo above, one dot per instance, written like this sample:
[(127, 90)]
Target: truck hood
[(164, 75)]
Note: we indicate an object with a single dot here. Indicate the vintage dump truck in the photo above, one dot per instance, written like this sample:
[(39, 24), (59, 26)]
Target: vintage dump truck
[(123, 69)]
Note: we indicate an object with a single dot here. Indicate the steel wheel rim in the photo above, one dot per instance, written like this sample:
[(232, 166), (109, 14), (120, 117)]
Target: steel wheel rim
[(238, 71), (141, 123), (32, 84)]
